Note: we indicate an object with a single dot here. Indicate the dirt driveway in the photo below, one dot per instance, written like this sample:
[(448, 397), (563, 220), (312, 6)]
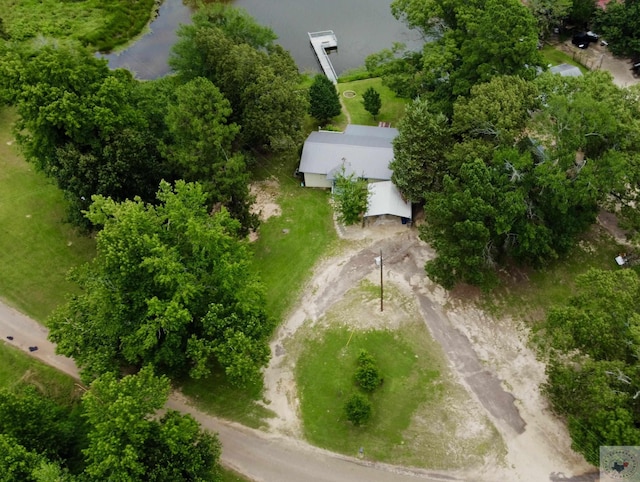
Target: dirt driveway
[(597, 57), (490, 357)]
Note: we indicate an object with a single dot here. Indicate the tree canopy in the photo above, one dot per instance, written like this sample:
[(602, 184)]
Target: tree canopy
[(472, 42), (257, 76), (80, 123), (324, 103), (593, 369), (520, 172), (170, 285), (128, 442)]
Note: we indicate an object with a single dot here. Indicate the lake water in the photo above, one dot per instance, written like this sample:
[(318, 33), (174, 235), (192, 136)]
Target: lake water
[(361, 26)]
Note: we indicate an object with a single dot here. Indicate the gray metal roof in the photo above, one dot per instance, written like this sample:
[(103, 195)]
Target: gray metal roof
[(365, 150), (384, 198), (566, 70)]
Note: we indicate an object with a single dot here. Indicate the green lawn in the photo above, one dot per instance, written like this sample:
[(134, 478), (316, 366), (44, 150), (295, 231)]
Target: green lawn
[(216, 396), (528, 293), (289, 245), (36, 247), (417, 411), (103, 24), (392, 107), (17, 367), (229, 475), (554, 56)]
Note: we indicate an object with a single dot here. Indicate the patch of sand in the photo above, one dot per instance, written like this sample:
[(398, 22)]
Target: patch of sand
[(265, 205)]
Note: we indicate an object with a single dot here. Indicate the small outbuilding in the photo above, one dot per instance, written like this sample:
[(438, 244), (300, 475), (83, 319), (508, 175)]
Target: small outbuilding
[(566, 70)]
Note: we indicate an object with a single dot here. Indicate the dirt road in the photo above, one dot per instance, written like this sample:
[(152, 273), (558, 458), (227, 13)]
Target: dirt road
[(490, 358), (260, 456)]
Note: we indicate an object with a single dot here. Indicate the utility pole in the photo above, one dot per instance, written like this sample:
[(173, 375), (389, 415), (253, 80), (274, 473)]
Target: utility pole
[(381, 284)]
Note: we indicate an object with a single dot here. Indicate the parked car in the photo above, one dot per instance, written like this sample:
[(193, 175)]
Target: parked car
[(583, 39)]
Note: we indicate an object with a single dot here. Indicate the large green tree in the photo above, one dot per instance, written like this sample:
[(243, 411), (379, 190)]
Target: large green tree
[(80, 123), (201, 147), (324, 103), (419, 163), (170, 285), (127, 441), (471, 221), (257, 76), (593, 367), (473, 42), (618, 23)]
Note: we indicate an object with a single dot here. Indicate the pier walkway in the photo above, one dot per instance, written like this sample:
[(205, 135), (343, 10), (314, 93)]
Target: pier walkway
[(321, 43)]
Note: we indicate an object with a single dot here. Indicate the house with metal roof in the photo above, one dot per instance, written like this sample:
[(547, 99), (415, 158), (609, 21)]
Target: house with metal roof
[(365, 151)]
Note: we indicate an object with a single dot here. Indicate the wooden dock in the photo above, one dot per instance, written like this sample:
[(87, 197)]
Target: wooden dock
[(322, 42)]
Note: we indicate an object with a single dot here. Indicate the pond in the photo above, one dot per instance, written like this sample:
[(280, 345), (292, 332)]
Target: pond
[(361, 26)]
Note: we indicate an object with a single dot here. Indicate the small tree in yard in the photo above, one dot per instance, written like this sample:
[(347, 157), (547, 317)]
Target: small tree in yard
[(324, 102), (367, 374), (351, 196), (358, 409), (371, 101)]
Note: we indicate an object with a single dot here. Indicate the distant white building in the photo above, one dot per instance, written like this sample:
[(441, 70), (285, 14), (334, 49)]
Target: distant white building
[(566, 70)]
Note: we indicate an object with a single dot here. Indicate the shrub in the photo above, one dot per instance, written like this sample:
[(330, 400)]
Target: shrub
[(358, 409), (367, 374)]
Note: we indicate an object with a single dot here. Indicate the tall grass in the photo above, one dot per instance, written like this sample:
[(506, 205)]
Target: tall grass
[(103, 24)]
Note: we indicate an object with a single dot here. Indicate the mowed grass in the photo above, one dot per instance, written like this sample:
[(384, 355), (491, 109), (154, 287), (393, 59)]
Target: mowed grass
[(36, 247), (104, 24), (554, 56), (216, 396), (418, 413), (18, 368), (528, 294), (392, 109), (229, 475), (289, 245)]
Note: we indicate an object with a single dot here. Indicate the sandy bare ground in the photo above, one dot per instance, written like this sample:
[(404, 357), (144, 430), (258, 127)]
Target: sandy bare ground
[(490, 357)]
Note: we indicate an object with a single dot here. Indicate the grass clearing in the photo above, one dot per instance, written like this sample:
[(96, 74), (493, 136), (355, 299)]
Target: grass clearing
[(290, 244), (392, 107), (17, 367), (554, 56), (229, 475), (36, 247), (104, 24), (529, 294), (215, 395), (421, 417)]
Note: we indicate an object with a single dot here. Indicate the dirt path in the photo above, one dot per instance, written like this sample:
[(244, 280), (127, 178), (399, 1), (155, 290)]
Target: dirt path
[(260, 456), (490, 358)]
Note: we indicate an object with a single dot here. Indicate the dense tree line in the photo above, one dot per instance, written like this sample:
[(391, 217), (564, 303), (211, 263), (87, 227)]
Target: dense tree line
[(96, 131), (519, 171), (113, 433), (469, 43), (593, 361)]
